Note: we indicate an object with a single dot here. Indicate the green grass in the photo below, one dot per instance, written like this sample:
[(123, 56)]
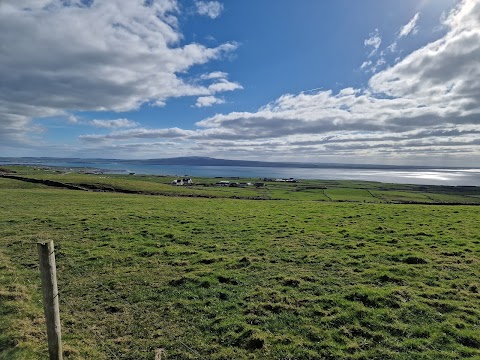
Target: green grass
[(227, 278), (15, 184), (395, 196), (446, 198), (306, 190), (349, 194), (147, 185)]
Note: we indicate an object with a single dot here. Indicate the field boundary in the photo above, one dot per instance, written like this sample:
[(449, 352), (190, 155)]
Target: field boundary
[(112, 189)]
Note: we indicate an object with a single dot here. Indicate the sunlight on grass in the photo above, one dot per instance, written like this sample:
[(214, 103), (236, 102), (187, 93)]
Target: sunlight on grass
[(229, 278)]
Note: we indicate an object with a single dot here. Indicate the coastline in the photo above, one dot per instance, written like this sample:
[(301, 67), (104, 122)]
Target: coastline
[(405, 175)]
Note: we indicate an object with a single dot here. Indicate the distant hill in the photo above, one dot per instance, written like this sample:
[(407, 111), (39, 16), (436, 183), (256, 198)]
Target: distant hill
[(209, 161)]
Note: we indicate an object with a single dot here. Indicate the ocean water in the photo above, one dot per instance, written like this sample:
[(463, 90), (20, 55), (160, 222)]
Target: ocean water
[(449, 177)]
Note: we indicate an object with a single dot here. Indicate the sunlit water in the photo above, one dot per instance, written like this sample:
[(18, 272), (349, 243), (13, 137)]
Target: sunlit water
[(450, 177)]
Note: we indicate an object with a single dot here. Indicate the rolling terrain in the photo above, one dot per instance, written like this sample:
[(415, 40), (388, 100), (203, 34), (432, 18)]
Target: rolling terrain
[(307, 270)]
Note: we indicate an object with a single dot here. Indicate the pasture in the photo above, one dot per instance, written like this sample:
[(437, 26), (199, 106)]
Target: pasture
[(316, 270)]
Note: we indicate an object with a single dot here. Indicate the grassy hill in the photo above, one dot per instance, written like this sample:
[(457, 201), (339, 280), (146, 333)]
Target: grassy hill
[(329, 270)]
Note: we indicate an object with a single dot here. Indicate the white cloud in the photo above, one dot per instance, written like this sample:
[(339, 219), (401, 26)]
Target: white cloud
[(212, 9), (109, 56), (112, 124), (140, 133), (72, 119), (221, 83), (371, 67), (224, 85), (425, 107), (411, 27), (366, 64), (205, 101), (374, 41), (442, 72), (380, 63), (393, 47), (214, 75)]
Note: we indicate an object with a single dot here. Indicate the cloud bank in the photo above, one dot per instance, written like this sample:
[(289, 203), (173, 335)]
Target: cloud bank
[(411, 27), (374, 42), (112, 124), (425, 106), (212, 9), (62, 56), (204, 101)]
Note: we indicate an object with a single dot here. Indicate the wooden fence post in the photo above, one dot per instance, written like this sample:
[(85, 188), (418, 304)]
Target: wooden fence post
[(48, 273)]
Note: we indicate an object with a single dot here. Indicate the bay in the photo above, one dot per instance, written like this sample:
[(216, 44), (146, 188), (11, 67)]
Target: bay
[(440, 176)]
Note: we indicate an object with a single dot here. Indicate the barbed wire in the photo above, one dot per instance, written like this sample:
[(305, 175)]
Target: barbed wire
[(73, 268), (139, 309), (121, 298), (95, 334), (63, 259)]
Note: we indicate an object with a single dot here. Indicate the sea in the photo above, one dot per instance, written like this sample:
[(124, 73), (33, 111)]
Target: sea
[(405, 175)]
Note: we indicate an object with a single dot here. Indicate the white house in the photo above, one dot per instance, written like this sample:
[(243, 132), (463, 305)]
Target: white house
[(181, 182)]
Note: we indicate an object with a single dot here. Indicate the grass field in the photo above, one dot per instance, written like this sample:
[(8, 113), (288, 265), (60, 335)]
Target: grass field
[(305, 190), (332, 273)]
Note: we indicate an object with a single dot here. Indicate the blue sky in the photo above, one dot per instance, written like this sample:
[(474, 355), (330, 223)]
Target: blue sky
[(326, 81)]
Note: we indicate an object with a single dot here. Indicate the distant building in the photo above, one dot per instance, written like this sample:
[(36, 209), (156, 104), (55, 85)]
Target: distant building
[(286, 180), (279, 180), (223, 183), (181, 182)]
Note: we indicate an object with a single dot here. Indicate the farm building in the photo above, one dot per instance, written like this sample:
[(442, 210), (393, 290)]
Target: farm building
[(181, 182), (223, 183)]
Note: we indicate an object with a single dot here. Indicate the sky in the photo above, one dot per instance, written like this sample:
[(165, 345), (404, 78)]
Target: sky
[(372, 81)]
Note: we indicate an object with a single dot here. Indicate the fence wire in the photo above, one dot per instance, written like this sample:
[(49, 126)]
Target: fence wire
[(158, 353)]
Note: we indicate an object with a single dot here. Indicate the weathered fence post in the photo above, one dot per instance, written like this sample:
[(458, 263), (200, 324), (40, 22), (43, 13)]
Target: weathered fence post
[(48, 273)]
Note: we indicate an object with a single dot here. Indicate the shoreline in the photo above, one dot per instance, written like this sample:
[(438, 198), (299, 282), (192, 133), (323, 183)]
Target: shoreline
[(440, 177)]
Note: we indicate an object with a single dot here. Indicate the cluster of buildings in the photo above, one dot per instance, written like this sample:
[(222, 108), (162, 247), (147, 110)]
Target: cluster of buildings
[(182, 182), (234, 184), (226, 183), (292, 180)]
